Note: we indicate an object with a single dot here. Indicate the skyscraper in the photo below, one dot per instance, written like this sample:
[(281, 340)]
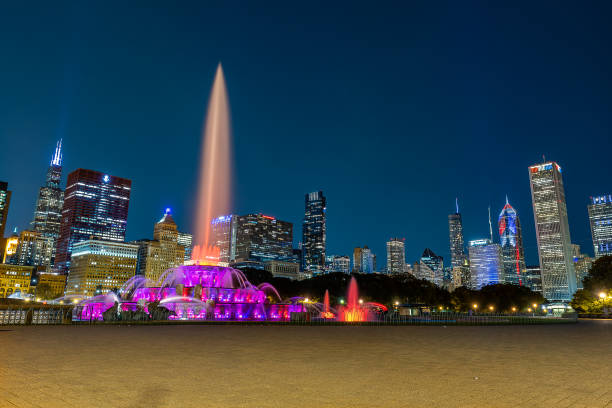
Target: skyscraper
[(100, 265), (314, 232), (163, 252), (48, 212), (364, 260), (396, 256), (511, 241), (341, 263), (5, 201), (223, 230), (261, 238), (435, 263), (186, 240), (600, 218), (582, 265), (95, 206), (552, 230), (455, 232), (486, 265)]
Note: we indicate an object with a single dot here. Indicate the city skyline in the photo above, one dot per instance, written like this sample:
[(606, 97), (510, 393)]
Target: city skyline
[(417, 210)]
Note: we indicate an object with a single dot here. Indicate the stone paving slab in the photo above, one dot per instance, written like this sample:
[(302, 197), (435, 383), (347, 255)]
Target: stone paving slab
[(562, 366)]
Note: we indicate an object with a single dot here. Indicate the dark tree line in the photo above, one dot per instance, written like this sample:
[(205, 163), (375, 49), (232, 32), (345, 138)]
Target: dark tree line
[(388, 289)]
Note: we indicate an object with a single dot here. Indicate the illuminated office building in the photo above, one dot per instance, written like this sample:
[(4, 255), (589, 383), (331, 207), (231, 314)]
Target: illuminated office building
[(101, 266), (48, 213), (223, 231), (5, 201), (435, 263), (341, 263), (261, 238), (600, 218), (511, 241), (364, 260), (163, 252), (486, 265), (186, 240), (314, 233), (533, 278), (396, 256), (552, 231), (455, 233), (95, 206), (14, 278), (582, 265)]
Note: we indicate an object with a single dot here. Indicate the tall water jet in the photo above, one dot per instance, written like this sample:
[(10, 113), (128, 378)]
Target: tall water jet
[(214, 192)]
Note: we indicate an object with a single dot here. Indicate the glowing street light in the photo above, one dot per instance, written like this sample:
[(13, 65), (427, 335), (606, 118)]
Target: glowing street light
[(306, 300), (491, 308), (396, 303), (602, 295), (360, 301), (475, 305), (529, 309), (513, 309), (535, 305), (341, 301)]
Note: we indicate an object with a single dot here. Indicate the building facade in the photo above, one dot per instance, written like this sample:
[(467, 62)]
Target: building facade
[(600, 218), (100, 266), (457, 244), (14, 278), (224, 233), (5, 201), (314, 232), (95, 206), (48, 213), (186, 240), (436, 264), (261, 238), (486, 265), (533, 278), (163, 252), (364, 260), (341, 263), (552, 231), (511, 242), (396, 256), (582, 265), (283, 269)]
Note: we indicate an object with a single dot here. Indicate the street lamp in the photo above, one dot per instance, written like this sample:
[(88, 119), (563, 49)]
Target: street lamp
[(491, 308), (360, 301), (475, 305), (602, 295)]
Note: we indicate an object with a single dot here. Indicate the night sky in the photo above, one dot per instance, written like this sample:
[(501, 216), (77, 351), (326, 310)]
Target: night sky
[(392, 109)]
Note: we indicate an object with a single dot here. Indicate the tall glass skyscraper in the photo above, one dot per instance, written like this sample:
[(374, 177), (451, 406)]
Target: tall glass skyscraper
[(48, 212), (259, 238), (435, 263), (486, 266), (455, 233), (95, 206), (396, 256), (511, 241), (314, 233), (5, 200), (552, 230), (600, 218)]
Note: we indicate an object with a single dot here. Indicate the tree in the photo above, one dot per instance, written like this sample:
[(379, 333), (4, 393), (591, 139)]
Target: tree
[(44, 291), (599, 277), (583, 301)]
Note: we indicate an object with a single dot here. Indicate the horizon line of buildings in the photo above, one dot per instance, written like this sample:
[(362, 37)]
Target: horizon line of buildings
[(77, 239)]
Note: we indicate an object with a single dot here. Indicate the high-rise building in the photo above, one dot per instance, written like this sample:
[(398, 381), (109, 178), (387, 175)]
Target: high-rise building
[(11, 246), (533, 278), (14, 278), (455, 232), (261, 238), (341, 263), (486, 265), (163, 252), (95, 206), (600, 217), (224, 236), (100, 266), (34, 249), (511, 241), (396, 256), (435, 263), (314, 232), (552, 230), (186, 240), (364, 260), (582, 265), (48, 212), (5, 201)]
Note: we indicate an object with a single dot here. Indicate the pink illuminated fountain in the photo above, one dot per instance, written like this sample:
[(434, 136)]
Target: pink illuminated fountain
[(204, 289), (355, 310)]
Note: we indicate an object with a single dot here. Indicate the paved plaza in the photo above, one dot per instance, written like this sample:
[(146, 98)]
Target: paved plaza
[(568, 365)]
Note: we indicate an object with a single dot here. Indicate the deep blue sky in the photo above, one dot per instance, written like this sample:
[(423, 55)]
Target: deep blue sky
[(391, 109)]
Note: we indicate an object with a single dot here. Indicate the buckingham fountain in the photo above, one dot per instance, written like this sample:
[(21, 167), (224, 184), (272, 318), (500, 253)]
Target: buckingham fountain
[(205, 288)]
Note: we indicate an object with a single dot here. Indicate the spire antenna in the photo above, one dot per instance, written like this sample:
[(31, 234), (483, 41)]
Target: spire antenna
[(56, 160), (457, 204), (490, 225), (507, 199)]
